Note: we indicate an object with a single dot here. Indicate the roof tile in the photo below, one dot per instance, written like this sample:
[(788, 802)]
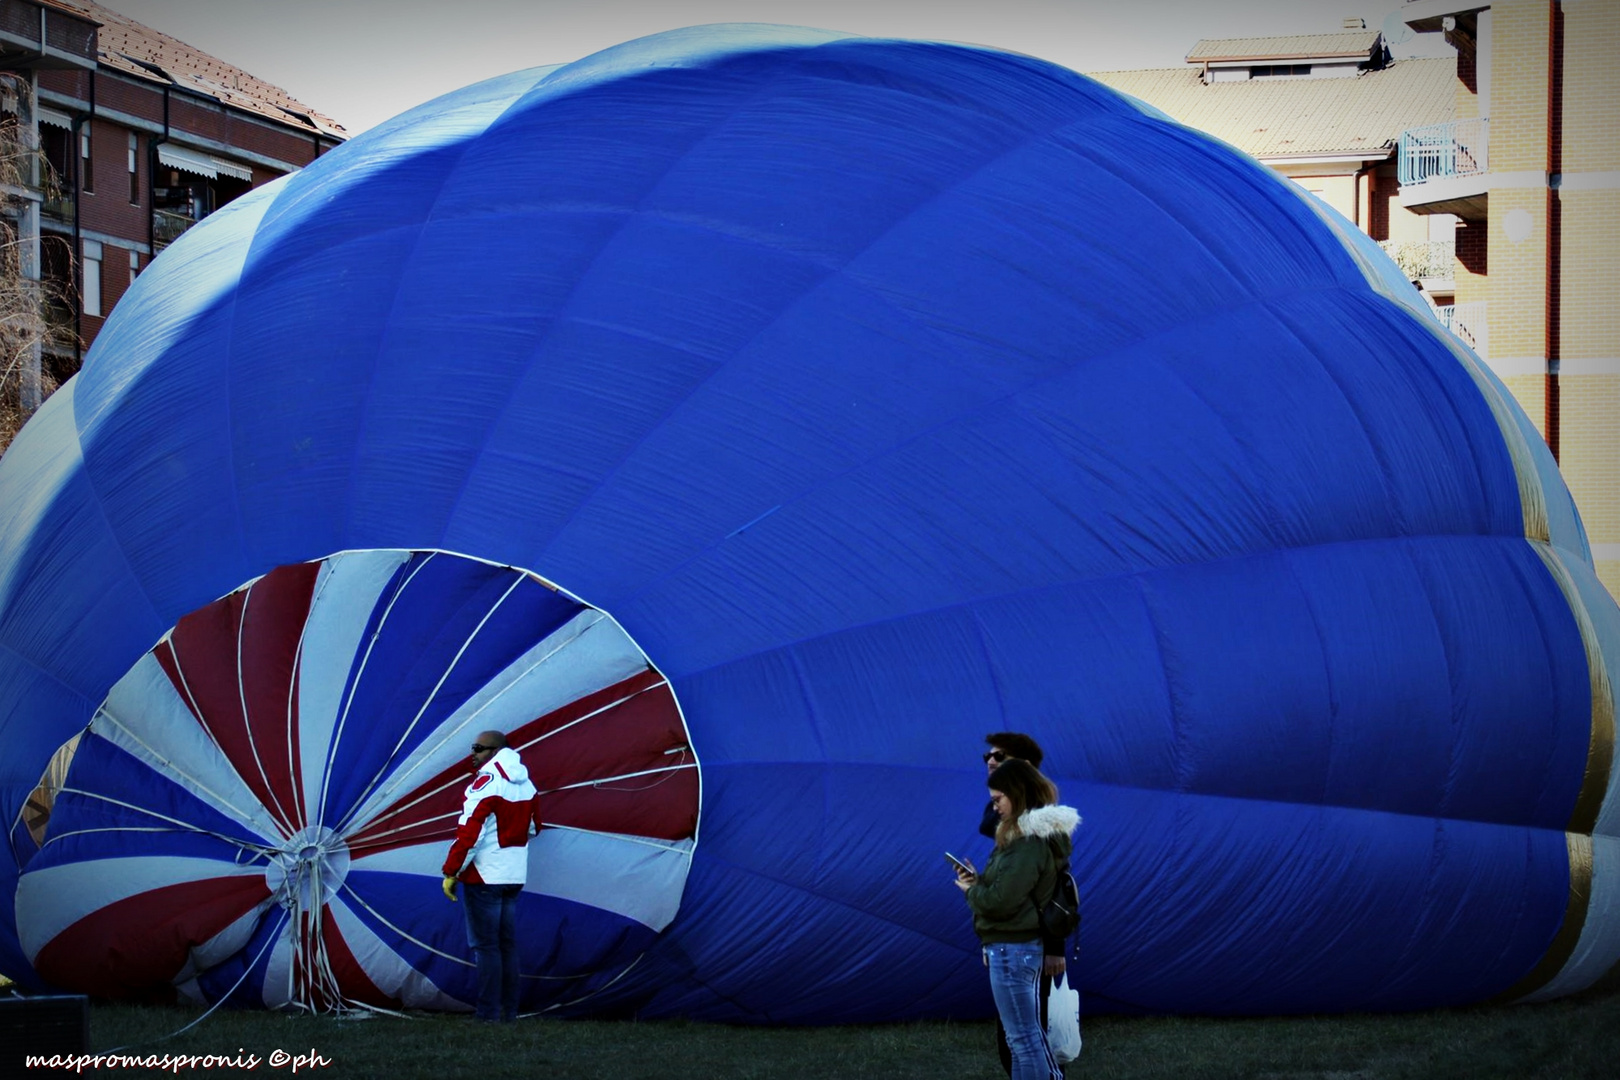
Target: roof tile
[(1271, 118), (135, 49), (1348, 43)]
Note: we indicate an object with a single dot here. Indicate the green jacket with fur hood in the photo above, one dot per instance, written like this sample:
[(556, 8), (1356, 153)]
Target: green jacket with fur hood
[(1020, 877)]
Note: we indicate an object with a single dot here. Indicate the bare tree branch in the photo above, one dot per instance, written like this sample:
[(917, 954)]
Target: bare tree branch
[(26, 305)]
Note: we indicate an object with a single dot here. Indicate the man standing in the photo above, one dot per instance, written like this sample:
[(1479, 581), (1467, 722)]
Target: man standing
[(1004, 745), (489, 857)]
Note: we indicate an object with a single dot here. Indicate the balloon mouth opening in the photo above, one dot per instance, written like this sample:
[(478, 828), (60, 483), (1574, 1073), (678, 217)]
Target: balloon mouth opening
[(311, 726), (308, 870)]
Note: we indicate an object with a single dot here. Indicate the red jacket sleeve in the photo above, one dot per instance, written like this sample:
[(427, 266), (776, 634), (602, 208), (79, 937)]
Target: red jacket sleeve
[(466, 837)]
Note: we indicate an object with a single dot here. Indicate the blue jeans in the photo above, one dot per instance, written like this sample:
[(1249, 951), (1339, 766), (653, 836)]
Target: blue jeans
[(492, 933), (1015, 979)]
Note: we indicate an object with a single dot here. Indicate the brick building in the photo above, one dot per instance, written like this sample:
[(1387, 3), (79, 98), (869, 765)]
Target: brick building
[(123, 138), (1531, 166)]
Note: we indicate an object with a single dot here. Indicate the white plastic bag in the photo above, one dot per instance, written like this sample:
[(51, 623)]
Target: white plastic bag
[(1063, 1020)]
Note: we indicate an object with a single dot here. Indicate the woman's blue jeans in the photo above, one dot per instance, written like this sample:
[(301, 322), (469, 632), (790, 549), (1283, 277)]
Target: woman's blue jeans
[(492, 933), (1015, 981)]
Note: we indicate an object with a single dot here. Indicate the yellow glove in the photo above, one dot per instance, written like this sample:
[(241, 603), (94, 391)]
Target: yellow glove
[(449, 886)]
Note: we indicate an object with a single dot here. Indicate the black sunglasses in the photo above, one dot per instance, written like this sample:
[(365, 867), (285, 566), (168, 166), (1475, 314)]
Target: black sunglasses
[(997, 756), (479, 748)]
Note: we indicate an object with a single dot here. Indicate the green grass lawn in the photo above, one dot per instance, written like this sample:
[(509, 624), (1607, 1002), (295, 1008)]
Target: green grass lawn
[(1575, 1039)]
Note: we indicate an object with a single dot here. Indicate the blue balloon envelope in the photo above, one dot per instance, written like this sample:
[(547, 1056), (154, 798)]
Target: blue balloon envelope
[(750, 419)]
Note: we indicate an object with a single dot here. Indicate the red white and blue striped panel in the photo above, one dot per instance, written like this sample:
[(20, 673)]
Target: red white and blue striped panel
[(261, 805)]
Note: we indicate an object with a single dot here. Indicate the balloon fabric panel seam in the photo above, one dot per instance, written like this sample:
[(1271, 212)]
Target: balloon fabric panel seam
[(934, 197), (738, 868), (1568, 936), (1600, 753)]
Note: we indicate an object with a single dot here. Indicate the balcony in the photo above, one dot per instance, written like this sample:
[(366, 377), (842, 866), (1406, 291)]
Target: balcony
[(58, 205), (57, 195), (167, 225), (1443, 168), (1468, 323), (1427, 16), (1423, 260), (60, 320), (1457, 148), (25, 172)]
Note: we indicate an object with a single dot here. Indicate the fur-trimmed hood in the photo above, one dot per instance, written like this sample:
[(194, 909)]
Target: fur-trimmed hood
[(1049, 821), (1003, 898)]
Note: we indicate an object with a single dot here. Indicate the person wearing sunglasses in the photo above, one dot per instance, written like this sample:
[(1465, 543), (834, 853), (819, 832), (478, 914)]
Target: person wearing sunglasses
[(1007, 746), (489, 858), (1004, 745)]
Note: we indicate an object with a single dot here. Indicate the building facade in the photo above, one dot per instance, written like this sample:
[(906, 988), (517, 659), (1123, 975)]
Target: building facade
[(1531, 167), (119, 139), (1327, 112)]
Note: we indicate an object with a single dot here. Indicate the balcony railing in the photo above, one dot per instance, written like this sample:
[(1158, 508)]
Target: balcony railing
[(31, 169), (167, 225), (1467, 321), (59, 323), (1459, 148), (1422, 258), (58, 204)]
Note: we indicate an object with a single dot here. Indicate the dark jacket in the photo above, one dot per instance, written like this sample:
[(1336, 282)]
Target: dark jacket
[(1020, 877), (989, 821)]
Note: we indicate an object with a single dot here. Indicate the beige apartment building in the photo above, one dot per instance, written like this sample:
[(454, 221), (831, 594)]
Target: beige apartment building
[(1531, 166), (1327, 112), (1493, 178)]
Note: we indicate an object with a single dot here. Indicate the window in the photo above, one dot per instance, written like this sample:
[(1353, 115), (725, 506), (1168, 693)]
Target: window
[(57, 146), (87, 172), (58, 263), (134, 171), (92, 278), (134, 265), (1279, 71)]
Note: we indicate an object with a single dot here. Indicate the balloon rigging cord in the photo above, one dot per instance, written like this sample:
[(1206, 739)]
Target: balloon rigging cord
[(604, 781), (399, 779), (193, 784), (223, 998), (382, 770), (358, 899), (543, 736), (312, 983), (247, 726), (354, 686), (185, 826), (672, 847)]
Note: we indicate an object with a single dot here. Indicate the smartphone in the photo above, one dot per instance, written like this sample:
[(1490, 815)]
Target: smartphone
[(962, 866)]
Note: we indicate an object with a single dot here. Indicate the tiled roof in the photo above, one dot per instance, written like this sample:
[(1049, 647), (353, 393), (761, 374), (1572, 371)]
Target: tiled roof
[(1348, 43), (65, 5), (135, 49), (1274, 118)]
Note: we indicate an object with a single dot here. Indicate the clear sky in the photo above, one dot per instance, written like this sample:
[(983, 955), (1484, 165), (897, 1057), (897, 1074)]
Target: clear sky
[(362, 61)]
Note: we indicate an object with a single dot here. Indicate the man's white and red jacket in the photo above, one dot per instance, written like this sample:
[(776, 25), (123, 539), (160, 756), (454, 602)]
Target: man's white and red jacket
[(500, 809)]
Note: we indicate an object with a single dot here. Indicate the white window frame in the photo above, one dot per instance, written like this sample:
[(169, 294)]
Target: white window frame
[(91, 272)]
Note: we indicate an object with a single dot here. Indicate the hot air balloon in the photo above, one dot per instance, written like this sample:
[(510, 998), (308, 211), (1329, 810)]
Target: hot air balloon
[(748, 419)]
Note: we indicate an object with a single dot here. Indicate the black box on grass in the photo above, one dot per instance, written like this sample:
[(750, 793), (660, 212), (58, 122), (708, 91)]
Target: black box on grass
[(44, 1025)]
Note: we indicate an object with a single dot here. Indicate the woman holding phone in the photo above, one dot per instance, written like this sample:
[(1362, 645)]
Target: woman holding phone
[(1006, 898)]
